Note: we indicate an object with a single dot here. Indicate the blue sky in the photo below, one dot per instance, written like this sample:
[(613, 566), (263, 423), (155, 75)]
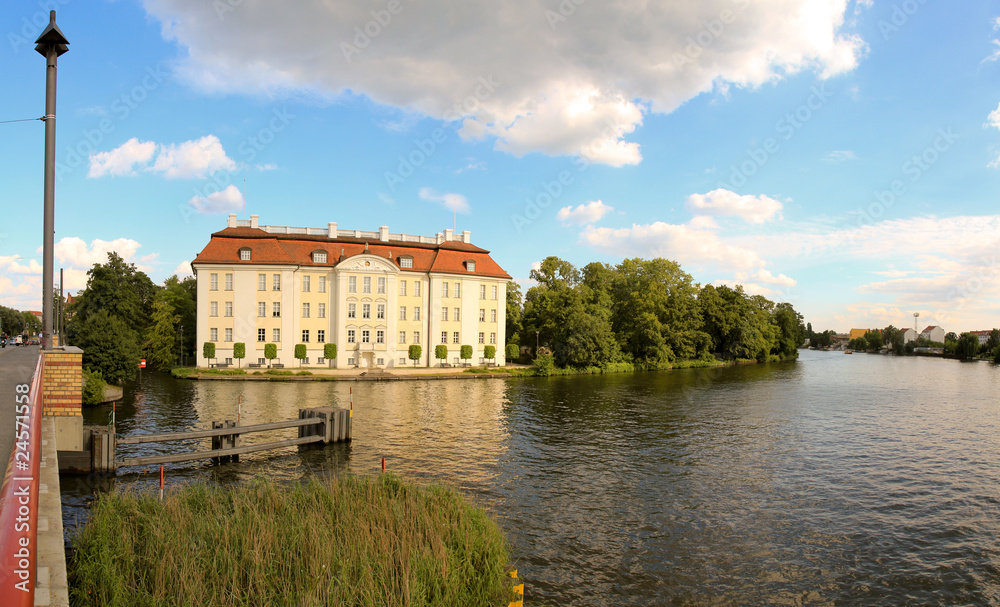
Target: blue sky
[(842, 155)]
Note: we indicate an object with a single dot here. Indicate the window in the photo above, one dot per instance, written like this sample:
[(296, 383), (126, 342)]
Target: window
[(444, 337), (381, 285), (458, 289), (261, 309), (470, 266), (366, 310), (244, 254), (380, 336), (319, 257), (229, 335), (444, 289), (493, 315), (493, 338), (402, 337), (276, 308), (494, 291), (402, 361), (352, 310), (213, 335), (416, 313), (380, 361), (406, 262), (320, 361), (352, 284), (482, 291), (321, 287), (262, 361), (261, 334), (229, 361), (213, 282), (454, 337), (320, 336), (262, 282), (458, 314), (444, 313), (482, 315), (213, 308), (321, 311), (229, 282), (306, 286), (416, 288), (276, 282), (402, 312), (380, 311), (229, 309), (350, 336), (305, 310), (482, 337), (276, 335), (365, 336), (305, 360), (305, 336), (366, 284), (416, 337), (402, 288)]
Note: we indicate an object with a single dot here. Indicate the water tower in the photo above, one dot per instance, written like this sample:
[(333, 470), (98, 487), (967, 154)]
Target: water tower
[(916, 315)]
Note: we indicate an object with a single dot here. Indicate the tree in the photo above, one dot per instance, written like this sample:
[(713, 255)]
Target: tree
[(208, 350), (180, 294), (515, 313), (490, 352), (161, 342), (894, 339), (239, 352), (330, 353), (270, 353), (874, 339), (465, 352), (441, 352), (120, 290), (109, 346), (415, 352), (513, 352), (300, 353), (791, 333), (993, 342), (950, 336), (968, 346)]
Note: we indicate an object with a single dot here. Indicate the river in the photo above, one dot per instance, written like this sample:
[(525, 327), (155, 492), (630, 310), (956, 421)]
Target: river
[(832, 480)]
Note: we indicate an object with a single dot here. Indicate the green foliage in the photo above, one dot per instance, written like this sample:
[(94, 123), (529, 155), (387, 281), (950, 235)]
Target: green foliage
[(465, 352), (515, 313), (859, 344), (208, 350), (161, 342), (93, 387), (893, 339), (513, 352), (300, 352), (441, 351), (239, 351), (544, 365), (330, 352), (117, 289), (415, 352), (968, 346), (270, 351), (490, 352), (993, 342), (874, 339), (109, 346), (180, 294)]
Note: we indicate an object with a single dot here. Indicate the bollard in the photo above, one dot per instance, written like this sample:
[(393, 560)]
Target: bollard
[(161, 482), (383, 464)]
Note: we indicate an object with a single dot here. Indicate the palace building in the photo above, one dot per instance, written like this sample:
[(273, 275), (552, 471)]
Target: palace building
[(373, 294)]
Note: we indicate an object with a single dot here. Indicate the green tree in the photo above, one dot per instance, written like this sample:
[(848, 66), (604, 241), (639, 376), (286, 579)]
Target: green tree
[(515, 313), (300, 353), (790, 334), (968, 346), (93, 387), (993, 342), (180, 294), (490, 352), (208, 350), (465, 352), (109, 346), (513, 352), (330, 353), (950, 336), (859, 344), (415, 352), (874, 339), (270, 353), (441, 352), (161, 341), (894, 339), (118, 289), (239, 352)]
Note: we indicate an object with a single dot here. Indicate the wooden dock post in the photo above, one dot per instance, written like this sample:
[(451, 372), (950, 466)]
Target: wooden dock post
[(102, 451)]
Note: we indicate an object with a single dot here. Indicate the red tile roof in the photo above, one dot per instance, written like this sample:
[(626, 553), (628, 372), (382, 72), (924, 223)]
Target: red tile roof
[(296, 249)]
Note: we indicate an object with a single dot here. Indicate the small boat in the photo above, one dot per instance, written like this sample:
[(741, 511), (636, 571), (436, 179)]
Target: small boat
[(848, 351)]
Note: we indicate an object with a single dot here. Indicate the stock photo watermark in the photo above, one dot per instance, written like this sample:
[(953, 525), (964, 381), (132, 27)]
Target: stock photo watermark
[(365, 34), (32, 26)]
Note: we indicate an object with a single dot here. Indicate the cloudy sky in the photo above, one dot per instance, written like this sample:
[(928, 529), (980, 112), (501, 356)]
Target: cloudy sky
[(842, 155)]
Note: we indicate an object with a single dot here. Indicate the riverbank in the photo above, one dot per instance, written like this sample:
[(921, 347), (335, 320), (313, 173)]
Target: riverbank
[(349, 540)]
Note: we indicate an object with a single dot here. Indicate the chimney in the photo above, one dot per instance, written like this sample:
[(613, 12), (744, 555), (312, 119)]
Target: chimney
[(447, 234), (383, 233), (331, 229), (440, 237), (466, 236), (253, 220), (231, 223)]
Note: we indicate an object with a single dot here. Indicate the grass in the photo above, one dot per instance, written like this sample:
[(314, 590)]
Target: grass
[(347, 541)]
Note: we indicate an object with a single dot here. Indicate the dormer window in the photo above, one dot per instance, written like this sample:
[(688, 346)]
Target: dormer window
[(245, 254), (319, 256), (406, 262), (470, 265)]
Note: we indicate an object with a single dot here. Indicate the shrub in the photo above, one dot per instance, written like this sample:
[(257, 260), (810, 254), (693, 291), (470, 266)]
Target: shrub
[(490, 352), (300, 352), (330, 353), (465, 352), (441, 351), (208, 350), (93, 387), (415, 352), (270, 351), (513, 352), (544, 365), (239, 351)]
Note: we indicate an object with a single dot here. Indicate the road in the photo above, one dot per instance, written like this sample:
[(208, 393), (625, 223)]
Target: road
[(16, 366)]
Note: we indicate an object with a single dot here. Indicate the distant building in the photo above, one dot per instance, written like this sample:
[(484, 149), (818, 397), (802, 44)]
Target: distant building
[(856, 333), (909, 335), (933, 333), (982, 335)]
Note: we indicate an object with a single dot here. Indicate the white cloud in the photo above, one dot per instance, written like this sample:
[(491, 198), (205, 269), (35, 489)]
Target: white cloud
[(753, 209), (452, 202), (183, 269), (993, 119), (74, 251), (840, 156), (584, 213), (533, 79), (122, 160), (196, 158), (766, 277), (225, 201)]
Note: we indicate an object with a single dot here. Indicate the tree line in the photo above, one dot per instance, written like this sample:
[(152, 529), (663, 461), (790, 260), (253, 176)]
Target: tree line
[(647, 312), (14, 322), (964, 345)]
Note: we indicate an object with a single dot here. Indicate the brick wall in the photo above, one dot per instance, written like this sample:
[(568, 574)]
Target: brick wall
[(62, 383)]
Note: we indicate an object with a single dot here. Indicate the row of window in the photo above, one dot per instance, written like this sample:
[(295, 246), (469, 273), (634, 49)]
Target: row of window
[(352, 311), (352, 285), (213, 335)]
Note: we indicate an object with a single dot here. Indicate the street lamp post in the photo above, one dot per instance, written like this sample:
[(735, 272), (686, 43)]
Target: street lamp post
[(536, 343), (50, 45)]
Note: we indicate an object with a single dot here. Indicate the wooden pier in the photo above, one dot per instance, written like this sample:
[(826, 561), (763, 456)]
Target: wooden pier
[(318, 425)]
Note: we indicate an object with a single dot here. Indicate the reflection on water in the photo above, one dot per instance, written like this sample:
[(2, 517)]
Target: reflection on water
[(834, 480)]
